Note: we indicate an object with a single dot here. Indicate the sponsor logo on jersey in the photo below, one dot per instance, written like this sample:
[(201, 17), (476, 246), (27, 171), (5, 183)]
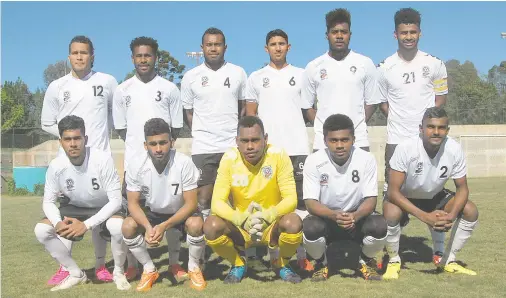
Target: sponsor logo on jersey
[(128, 100), (322, 164), (323, 74), (266, 82), (324, 179), (267, 172), (145, 191), (353, 69), (205, 80), (419, 168), (426, 72), (66, 96), (70, 184)]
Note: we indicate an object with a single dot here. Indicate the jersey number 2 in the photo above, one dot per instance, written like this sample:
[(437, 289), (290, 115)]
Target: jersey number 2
[(444, 169), (94, 183)]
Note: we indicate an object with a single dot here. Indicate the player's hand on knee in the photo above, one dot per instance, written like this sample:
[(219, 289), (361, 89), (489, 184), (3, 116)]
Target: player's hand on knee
[(148, 237), (344, 220), (158, 232), (74, 228), (433, 220), (447, 220)]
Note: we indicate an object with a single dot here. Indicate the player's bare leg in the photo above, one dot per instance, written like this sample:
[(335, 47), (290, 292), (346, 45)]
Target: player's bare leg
[(223, 237), (287, 235), (133, 235), (196, 244)]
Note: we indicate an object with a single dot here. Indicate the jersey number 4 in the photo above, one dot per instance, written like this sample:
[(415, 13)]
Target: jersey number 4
[(227, 83)]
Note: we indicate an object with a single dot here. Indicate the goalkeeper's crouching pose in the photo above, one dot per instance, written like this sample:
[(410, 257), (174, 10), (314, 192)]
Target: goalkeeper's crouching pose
[(259, 179)]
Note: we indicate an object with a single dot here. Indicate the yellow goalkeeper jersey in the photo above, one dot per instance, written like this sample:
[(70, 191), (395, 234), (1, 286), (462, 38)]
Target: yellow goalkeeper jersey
[(269, 183)]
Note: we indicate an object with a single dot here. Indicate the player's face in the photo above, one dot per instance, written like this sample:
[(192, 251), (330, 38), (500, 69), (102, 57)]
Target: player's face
[(339, 37), (144, 59), (73, 143), (80, 57), (214, 48), (407, 36), (251, 143), (434, 130), (339, 143), (277, 48), (158, 147)]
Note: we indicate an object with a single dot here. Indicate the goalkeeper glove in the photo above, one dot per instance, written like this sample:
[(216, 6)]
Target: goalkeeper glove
[(269, 215)]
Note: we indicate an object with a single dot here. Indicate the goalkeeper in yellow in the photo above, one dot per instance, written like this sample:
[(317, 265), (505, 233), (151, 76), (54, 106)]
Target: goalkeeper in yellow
[(258, 179)]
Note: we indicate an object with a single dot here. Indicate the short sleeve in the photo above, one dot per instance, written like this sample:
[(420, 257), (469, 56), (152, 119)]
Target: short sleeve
[(370, 185), (399, 161), (307, 89), (175, 108), (460, 167), (311, 182), (119, 110), (187, 96), (251, 93), (440, 79), (371, 92), (190, 175)]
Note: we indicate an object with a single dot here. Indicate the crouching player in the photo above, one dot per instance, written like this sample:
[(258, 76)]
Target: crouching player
[(167, 181), (340, 192), (419, 170), (87, 177), (261, 174)]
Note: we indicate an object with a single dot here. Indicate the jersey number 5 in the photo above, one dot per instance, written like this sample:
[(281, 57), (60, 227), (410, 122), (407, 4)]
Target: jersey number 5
[(177, 187), (94, 183)]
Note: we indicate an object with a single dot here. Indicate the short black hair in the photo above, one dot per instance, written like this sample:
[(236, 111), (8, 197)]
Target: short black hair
[(338, 122), (83, 39), (155, 127), (71, 122), (274, 33), (337, 16), (407, 16), (434, 112), (144, 41), (214, 30), (250, 121)]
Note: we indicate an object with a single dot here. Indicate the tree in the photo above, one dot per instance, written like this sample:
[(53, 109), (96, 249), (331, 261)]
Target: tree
[(497, 77), (19, 93), (12, 112), (56, 71)]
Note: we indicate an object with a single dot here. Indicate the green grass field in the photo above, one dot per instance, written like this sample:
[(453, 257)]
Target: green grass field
[(26, 266)]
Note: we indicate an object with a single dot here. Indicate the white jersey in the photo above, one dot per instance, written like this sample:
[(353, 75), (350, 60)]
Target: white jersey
[(425, 177), (214, 97), (135, 102), (340, 187), (341, 87), (277, 93), (89, 98), (163, 192), (409, 88), (94, 184)]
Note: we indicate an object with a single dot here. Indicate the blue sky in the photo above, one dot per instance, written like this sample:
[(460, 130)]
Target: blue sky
[(36, 34)]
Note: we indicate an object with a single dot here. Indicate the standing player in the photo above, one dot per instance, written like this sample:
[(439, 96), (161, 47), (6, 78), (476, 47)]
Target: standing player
[(419, 170), (343, 81), (275, 88), (140, 98), (212, 94), (340, 192), (167, 181), (87, 94), (259, 174), (88, 178), (410, 81)]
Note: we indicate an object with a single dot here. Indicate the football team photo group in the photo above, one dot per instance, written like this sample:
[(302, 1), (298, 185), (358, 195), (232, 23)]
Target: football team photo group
[(252, 180)]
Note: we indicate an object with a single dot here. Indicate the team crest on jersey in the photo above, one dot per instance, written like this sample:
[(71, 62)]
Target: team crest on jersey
[(66, 96), (145, 191), (426, 71), (353, 69), (324, 179), (323, 74), (266, 82), (70, 184), (267, 172), (205, 80), (128, 100), (419, 168)]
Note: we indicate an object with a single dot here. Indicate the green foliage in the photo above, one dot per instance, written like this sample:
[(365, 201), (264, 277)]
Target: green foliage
[(56, 71), (166, 66), (12, 112), (12, 190)]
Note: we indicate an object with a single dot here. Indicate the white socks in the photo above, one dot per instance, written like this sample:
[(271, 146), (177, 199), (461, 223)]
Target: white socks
[(464, 231), (46, 235), (316, 249), (196, 246), (139, 249), (372, 246), (392, 243), (118, 247)]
